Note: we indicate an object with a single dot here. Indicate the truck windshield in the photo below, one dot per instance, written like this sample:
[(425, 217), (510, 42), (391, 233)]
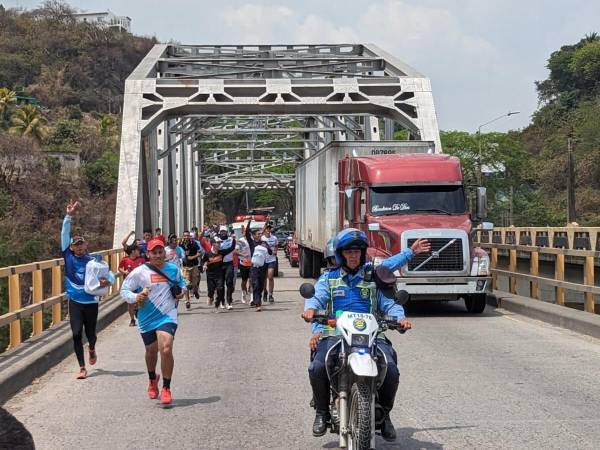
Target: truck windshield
[(412, 199)]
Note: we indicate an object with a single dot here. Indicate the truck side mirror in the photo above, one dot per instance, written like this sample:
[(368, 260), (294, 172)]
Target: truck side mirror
[(349, 204), (481, 207)]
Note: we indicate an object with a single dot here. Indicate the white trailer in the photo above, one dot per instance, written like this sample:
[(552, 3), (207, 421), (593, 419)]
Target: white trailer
[(317, 193)]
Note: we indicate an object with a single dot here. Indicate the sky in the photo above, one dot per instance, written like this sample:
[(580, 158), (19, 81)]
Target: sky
[(482, 56)]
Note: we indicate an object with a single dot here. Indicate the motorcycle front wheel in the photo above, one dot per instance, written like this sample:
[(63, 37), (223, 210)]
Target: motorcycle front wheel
[(360, 417)]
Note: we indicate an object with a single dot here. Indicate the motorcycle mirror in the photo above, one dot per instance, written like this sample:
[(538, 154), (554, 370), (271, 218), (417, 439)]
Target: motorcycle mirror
[(401, 297), (385, 275), (307, 290)]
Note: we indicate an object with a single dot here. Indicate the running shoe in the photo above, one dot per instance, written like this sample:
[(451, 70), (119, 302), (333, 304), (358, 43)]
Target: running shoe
[(165, 396), (271, 299), (258, 309), (153, 388), (82, 375), (188, 305), (244, 297), (93, 356), (229, 307), (222, 306)]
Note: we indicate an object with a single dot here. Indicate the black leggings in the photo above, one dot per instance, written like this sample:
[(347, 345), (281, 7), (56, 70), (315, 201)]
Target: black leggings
[(83, 315), (258, 275), (229, 280)]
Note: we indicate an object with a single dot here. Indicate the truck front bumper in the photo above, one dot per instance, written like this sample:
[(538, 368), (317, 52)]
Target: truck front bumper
[(455, 286)]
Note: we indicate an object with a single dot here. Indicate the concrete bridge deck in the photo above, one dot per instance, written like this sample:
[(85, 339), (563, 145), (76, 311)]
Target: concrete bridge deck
[(467, 382)]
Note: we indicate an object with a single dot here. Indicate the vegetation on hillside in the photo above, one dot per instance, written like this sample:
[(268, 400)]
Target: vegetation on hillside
[(61, 89)]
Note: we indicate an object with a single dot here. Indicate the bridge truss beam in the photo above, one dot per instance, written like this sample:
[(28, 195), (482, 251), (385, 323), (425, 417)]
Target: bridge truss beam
[(199, 119)]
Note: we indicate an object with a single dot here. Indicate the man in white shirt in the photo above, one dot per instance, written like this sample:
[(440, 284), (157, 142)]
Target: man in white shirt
[(271, 262), (245, 262)]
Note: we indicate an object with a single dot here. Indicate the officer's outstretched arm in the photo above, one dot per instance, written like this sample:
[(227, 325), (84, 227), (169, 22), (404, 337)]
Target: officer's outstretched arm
[(398, 260)]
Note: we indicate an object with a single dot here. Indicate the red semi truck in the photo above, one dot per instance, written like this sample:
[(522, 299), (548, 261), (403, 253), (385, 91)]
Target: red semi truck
[(396, 192)]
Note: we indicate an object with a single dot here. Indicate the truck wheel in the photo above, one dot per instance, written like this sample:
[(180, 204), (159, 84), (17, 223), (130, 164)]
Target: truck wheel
[(475, 304), (306, 263), (316, 264)]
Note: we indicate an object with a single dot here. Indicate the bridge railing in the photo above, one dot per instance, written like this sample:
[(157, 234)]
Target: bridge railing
[(555, 243), (34, 288)]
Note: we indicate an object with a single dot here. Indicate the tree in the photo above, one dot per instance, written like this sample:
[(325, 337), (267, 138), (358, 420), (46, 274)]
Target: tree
[(7, 100), (29, 121)]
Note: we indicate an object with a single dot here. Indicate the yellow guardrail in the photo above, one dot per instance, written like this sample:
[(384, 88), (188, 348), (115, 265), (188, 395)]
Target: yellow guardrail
[(558, 242), (16, 283)]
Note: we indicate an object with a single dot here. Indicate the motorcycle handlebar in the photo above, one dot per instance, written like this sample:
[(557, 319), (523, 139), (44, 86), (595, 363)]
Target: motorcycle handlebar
[(323, 316)]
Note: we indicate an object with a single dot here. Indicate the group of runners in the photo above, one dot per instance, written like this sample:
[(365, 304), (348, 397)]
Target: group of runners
[(160, 272)]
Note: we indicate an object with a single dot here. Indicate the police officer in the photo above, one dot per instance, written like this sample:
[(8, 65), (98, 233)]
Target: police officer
[(329, 255), (344, 288)]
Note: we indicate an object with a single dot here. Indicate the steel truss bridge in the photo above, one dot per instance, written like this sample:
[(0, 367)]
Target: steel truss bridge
[(200, 119)]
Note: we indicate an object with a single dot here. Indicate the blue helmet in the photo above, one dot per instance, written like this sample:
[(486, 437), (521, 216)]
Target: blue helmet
[(347, 239), (329, 249)]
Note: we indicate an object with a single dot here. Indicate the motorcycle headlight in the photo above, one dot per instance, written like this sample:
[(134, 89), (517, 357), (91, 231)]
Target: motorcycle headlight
[(360, 340), (480, 266)]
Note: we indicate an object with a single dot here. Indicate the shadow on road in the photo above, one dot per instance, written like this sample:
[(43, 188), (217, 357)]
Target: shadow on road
[(445, 309), (406, 441), (13, 434), (115, 373), (184, 402)]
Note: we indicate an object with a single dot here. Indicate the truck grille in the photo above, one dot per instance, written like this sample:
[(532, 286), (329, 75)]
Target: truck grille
[(449, 260)]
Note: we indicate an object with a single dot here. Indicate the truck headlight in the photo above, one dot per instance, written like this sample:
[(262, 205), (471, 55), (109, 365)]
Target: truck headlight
[(480, 266)]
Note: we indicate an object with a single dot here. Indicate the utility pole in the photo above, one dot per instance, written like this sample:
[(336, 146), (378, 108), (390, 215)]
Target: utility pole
[(571, 212)]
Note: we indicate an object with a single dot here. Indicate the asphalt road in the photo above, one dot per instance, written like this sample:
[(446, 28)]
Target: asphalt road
[(495, 381)]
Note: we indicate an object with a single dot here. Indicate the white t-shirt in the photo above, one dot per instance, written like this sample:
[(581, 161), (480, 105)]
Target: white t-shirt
[(175, 255), (272, 243), (243, 250), (259, 256)]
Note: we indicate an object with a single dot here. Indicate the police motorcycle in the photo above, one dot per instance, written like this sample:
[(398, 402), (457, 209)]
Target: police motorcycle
[(360, 368)]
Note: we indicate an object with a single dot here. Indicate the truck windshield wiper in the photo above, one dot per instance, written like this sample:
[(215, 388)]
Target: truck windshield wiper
[(443, 211)]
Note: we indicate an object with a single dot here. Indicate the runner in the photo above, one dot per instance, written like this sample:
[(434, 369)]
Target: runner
[(127, 264), (258, 271), (83, 307), (173, 252), (244, 257), (212, 261), (271, 262), (227, 243), (190, 265), (159, 286)]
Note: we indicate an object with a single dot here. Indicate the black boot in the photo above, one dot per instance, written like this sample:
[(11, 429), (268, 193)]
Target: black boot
[(388, 431), (320, 423)]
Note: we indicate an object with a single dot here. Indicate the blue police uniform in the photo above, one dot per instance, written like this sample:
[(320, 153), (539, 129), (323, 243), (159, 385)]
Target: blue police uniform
[(338, 290)]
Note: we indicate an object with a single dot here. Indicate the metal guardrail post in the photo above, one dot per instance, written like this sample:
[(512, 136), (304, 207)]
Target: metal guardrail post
[(534, 269), (114, 267), (14, 303), (494, 265), (559, 274), (56, 290), (512, 266), (38, 323), (589, 280)]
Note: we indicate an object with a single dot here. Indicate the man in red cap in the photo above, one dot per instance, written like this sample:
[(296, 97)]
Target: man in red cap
[(156, 287)]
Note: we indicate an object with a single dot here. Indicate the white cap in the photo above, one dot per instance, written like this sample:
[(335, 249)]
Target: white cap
[(223, 228)]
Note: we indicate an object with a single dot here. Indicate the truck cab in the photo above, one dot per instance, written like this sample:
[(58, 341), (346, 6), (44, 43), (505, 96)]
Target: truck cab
[(396, 199)]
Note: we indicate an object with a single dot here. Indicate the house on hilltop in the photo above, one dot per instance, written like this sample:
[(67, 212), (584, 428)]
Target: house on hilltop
[(106, 19)]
